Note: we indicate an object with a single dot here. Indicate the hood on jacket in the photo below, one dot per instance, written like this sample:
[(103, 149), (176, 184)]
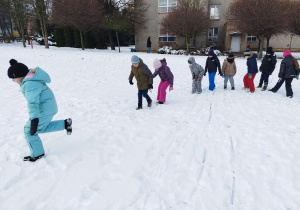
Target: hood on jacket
[(39, 76), (163, 63), (192, 60), (252, 55)]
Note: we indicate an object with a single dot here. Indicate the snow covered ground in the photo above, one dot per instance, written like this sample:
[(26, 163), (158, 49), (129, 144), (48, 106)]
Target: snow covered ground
[(215, 151)]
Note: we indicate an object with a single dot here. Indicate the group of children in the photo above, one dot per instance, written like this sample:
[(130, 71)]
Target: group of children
[(42, 104), (289, 69)]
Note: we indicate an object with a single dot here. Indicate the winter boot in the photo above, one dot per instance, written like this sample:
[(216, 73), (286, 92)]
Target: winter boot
[(140, 106), (160, 102), (264, 88), (33, 159), (149, 103), (232, 88), (225, 87), (259, 86), (68, 126)]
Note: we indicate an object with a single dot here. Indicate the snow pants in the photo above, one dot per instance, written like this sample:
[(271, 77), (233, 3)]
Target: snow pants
[(161, 94), (45, 126), (196, 86), (211, 77), (230, 78), (249, 83), (264, 78), (141, 94), (288, 86)]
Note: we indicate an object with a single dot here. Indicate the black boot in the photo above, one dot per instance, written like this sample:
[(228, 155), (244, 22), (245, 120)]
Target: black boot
[(140, 106), (33, 159), (149, 103), (68, 126), (225, 87), (232, 88), (160, 102)]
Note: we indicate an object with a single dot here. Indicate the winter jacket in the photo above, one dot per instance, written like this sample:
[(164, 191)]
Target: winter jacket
[(228, 69), (164, 73), (252, 63), (268, 64), (40, 98), (196, 69), (149, 42), (142, 75), (287, 68), (212, 64)]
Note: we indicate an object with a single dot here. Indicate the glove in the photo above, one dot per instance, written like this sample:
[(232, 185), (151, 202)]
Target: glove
[(150, 86), (222, 75), (250, 76), (34, 126), (194, 76), (130, 82), (297, 77), (204, 74), (171, 88), (270, 73)]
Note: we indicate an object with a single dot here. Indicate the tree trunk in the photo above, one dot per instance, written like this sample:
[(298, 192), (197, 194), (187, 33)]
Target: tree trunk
[(81, 39), (45, 33), (187, 46), (261, 47), (23, 37), (118, 41), (112, 46), (268, 42), (259, 43)]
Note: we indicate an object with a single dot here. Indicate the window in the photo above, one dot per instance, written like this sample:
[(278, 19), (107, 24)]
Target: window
[(251, 38), (213, 34), (165, 6), (215, 11), (165, 36)]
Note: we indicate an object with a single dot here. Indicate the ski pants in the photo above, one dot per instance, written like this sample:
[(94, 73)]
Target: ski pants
[(45, 126), (249, 82), (288, 86), (211, 77), (196, 86), (264, 78), (230, 78), (161, 94), (141, 94)]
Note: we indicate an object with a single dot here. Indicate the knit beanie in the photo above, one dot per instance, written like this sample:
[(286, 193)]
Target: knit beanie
[(270, 50), (16, 69), (230, 58), (247, 52), (287, 52), (135, 60), (211, 52), (156, 63)]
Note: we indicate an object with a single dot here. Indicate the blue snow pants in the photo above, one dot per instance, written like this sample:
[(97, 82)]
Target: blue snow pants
[(211, 77), (45, 126)]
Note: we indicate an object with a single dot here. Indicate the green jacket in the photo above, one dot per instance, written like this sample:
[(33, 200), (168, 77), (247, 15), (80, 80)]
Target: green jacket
[(142, 74)]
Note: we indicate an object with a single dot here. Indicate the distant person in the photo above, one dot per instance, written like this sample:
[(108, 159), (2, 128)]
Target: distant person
[(149, 44), (197, 75), (41, 106), (267, 67), (229, 70), (144, 79), (166, 77), (212, 65), (252, 70), (289, 69)]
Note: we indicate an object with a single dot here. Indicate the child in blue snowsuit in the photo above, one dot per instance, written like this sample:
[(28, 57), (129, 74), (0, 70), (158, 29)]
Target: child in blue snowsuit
[(212, 65), (41, 106)]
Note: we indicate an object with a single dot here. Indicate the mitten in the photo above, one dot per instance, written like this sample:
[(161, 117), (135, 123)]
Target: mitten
[(171, 88), (194, 76), (130, 82), (297, 77), (34, 126), (250, 76), (150, 86)]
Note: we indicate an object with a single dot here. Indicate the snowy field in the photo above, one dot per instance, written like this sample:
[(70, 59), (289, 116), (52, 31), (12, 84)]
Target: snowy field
[(215, 151)]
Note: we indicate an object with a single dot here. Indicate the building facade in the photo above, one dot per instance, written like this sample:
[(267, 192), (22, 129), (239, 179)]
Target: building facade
[(221, 33)]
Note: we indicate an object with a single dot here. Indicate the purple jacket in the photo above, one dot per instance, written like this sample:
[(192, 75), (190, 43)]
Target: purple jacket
[(164, 73)]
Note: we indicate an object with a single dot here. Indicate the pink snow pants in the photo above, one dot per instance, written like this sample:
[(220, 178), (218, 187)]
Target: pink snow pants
[(161, 95)]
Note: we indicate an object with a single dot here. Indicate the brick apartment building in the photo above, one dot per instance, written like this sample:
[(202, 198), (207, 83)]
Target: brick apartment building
[(221, 32)]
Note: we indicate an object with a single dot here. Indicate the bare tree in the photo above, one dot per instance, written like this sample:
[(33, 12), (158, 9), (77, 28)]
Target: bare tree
[(5, 20), (20, 11), (116, 22), (295, 17), (78, 14), (188, 20), (262, 18)]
